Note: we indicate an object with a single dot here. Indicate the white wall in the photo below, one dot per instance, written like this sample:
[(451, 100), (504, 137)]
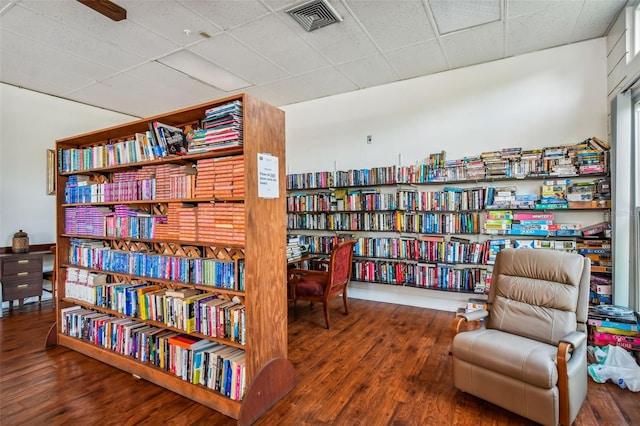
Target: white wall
[(553, 97), (30, 123)]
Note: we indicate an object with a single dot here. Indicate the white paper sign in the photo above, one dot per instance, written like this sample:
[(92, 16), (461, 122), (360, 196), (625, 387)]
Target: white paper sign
[(268, 176)]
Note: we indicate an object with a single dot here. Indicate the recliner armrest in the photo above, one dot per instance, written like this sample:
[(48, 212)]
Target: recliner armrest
[(474, 315), (575, 338), (466, 317)]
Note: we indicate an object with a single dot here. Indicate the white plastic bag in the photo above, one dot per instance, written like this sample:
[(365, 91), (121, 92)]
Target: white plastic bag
[(617, 364)]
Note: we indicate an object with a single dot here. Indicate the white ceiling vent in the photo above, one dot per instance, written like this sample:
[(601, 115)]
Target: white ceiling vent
[(314, 14)]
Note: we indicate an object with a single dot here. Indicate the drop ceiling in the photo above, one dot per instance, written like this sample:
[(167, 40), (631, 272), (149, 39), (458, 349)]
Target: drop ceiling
[(64, 48)]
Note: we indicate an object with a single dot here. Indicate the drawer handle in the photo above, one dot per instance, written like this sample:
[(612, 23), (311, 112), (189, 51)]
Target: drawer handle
[(23, 285), (22, 262), (23, 274)]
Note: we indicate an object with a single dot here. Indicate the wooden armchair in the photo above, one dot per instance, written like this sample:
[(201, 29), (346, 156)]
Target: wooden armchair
[(322, 286)]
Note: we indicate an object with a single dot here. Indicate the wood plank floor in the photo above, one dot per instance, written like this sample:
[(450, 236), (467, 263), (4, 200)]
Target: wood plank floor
[(383, 364)]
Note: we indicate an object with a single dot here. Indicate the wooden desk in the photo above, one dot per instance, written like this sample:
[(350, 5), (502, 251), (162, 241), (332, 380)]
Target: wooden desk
[(21, 276)]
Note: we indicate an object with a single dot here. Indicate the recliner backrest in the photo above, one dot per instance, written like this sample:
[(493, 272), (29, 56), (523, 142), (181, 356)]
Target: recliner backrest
[(539, 294)]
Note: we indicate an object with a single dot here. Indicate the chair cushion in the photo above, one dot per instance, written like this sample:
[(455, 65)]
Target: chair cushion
[(311, 285), (523, 359), (534, 293)]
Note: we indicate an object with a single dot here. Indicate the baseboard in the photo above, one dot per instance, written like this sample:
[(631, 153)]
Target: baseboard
[(411, 296)]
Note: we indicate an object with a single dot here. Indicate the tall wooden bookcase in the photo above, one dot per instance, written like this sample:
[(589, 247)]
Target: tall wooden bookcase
[(269, 374)]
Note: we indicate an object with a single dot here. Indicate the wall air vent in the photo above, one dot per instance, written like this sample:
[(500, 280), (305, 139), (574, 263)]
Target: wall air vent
[(314, 14)]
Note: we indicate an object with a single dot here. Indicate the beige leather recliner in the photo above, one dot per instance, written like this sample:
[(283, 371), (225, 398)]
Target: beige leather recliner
[(529, 354)]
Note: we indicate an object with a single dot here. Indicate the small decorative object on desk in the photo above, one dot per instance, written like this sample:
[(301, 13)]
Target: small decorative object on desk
[(20, 243)]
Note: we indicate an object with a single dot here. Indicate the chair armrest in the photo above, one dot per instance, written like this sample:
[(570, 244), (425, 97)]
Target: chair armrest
[(575, 338), (468, 317), (566, 346), (474, 315)]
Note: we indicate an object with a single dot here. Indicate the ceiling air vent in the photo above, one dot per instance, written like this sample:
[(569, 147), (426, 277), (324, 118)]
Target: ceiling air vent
[(314, 14)]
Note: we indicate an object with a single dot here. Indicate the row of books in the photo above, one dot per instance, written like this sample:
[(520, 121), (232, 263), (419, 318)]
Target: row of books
[(205, 271), (220, 223), (220, 128), (554, 194), (220, 178), (122, 221), (450, 199), (584, 158), (508, 222), (195, 360), (374, 176), (421, 222), (438, 276), (143, 147), (310, 180), (186, 309), (418, 250)]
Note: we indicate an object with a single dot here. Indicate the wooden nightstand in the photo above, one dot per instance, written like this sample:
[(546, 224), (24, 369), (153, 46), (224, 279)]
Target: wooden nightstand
[(21, 276)]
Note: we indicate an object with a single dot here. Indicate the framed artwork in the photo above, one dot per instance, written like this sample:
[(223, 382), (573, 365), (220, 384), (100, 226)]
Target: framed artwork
[(51, 172)]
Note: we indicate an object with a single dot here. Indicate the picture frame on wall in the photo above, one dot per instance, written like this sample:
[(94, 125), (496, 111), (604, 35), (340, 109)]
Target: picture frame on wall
[(51, 172)]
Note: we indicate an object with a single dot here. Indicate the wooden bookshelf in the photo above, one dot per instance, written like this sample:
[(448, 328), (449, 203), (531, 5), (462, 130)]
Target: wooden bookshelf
[(269, 374)]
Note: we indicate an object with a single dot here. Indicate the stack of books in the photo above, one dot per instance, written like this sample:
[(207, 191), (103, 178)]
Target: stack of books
[(614, 325), (294, 249), (221, 127), (554, 194)]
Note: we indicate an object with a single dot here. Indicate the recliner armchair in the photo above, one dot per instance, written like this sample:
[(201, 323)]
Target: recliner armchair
[(529, 354)]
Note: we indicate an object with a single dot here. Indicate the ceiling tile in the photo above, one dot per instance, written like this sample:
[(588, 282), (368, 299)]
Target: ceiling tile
[(417, 60), (454, 15), (137, 90), (261, 93), (5, 3), (282, 4), (316, 84), (59, 36), (340, 42), (553, 27), (529, 7), (289, 90), (125, 34), (235, 57), (228, 14), (595, 18), (275, 40), (394, 24), (22, 61), (326, 82), (117, 98), (369, 71), (169, 20), (475, 45)]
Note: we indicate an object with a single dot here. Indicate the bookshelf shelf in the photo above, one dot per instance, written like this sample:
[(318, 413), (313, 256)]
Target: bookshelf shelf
[(182, 241), (164, 201), (169, 283), (145, 240), (111, 312), (155, 375)]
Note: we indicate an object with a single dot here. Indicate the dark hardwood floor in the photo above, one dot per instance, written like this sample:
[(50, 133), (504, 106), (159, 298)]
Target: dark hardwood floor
[(383, 364)]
